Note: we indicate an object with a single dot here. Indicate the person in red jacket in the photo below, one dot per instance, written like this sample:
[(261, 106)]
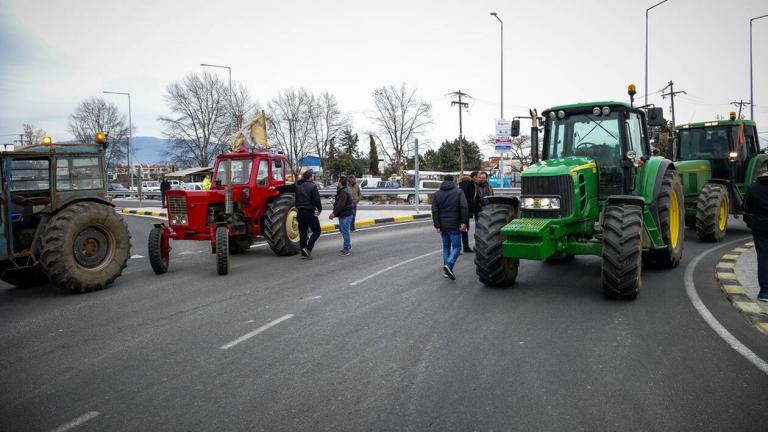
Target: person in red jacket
[(756, 205)]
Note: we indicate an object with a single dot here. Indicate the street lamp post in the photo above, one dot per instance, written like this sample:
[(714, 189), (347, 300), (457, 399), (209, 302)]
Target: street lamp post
[(501, 160), (751, 88), (130, 131), (645, 102), (229, 71)]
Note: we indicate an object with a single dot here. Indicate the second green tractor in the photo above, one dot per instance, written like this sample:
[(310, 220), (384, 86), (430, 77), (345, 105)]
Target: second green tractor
[(597, 190)]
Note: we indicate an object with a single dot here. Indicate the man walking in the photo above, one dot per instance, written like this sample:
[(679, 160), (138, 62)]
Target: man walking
[(483, 190), (467, 185), (357, 195), (165, 186), (756, 204), (343, 208), (309, 207), (449, 213)]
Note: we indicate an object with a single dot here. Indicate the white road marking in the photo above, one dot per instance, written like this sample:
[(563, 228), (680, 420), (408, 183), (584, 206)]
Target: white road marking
[(372, 275), (690, 289), (261, 329), (314, 298), (137, 256), (77, 422)]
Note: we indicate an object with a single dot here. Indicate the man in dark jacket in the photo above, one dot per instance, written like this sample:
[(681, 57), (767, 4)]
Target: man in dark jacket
[(309, 208), (483, 190), (467, 185), (165, 186), (756, 205), (449, 215), (344, 209)]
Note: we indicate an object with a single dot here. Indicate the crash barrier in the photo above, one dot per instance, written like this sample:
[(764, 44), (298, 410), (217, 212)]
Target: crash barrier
[(329, 192)]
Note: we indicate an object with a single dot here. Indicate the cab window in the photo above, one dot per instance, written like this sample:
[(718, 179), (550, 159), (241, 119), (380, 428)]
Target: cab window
[(241, 171), (262, 177), (277, 170), (30, 174), (635, 134)]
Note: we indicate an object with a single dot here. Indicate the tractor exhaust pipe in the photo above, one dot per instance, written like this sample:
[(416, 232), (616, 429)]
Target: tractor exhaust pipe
[(534, 136)]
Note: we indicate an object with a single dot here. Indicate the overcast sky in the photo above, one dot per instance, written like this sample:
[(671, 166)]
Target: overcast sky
[(53, 54)]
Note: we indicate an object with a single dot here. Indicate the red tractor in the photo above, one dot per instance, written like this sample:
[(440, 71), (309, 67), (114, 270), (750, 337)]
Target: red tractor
[(244, 204)]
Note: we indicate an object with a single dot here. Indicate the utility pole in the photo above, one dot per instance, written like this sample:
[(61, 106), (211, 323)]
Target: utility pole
[(416, 175), (671, 95), (740, 104), (461, 105)]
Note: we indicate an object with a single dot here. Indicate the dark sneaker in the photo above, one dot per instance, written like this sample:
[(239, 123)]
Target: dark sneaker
[(307, 253), (343, 252), (469, 250), (303, 252), (448, 272), (763, 297)]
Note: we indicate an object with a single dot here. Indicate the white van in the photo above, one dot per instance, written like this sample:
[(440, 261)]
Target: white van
[(423, 197)]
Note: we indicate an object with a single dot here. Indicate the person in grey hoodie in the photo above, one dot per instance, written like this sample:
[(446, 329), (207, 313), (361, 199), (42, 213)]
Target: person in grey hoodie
[(449, 216), (756, 205)]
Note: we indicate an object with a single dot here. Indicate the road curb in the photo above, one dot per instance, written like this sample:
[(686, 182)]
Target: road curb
[(323, 228), (725, 273)]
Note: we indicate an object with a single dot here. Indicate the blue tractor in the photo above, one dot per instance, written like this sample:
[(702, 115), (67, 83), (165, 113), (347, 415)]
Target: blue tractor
[(57, 221)]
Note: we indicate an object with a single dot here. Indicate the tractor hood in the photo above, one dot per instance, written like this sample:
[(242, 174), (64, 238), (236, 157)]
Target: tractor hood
[(556, 167)]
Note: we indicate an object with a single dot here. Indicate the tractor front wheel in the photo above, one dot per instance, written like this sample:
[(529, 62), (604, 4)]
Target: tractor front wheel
[(86, 246), (712, 213), (671, 221), (622, 251), (492, 267), (281, 228), (222, 250), (159, 250)]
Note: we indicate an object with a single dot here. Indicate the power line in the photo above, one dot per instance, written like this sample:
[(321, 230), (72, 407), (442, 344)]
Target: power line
[(671, 95), (740, 104), (461, 105)]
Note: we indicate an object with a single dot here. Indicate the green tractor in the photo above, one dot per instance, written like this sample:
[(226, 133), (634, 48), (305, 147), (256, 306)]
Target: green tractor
[(597, 190), (57, 221), (717, 161)]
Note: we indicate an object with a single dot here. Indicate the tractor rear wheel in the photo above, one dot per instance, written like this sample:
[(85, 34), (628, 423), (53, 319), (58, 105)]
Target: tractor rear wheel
[(85, 248), (712, 213), (492, 267), (671, 221), (622, 251), (24, 277), (159, 251), (222, 250), (281, 228)]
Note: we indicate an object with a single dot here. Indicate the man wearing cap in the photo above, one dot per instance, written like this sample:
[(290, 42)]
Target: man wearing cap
[(309, 208)]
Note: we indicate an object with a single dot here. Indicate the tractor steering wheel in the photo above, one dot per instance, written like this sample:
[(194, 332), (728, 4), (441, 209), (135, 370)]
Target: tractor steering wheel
[(586, 145)]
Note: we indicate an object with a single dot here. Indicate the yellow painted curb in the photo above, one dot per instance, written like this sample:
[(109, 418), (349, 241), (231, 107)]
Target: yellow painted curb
[(748, 306), (730, 257), (403, 218), (763, 327), (362, 223), (729, 276), (726, 265), (733, 289), (750, 244), (739, 250)]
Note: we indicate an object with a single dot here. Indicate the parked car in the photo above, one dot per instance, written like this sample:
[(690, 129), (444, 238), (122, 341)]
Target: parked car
[(423, 197), (192, 186), (374, 183), (116, 189)]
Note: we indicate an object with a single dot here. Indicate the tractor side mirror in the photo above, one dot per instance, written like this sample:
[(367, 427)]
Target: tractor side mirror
[(656, 116), (514, 129)]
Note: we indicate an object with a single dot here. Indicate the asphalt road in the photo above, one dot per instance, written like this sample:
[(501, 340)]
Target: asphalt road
[(378, 340)]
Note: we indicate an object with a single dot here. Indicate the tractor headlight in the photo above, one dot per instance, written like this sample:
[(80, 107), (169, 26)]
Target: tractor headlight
[(561, 114), (606, 111), (541, 203), (179, 220), (596, 111)]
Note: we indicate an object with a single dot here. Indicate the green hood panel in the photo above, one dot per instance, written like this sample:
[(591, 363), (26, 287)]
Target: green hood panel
[(563, 166)]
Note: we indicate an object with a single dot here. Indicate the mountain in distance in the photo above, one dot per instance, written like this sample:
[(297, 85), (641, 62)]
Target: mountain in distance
[(149, 149)]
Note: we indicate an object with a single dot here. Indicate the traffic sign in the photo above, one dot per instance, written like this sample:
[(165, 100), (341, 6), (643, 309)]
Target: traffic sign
[(503, 135)]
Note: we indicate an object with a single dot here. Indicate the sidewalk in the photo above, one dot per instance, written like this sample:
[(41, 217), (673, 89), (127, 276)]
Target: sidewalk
[(364, 217), (746, 272)]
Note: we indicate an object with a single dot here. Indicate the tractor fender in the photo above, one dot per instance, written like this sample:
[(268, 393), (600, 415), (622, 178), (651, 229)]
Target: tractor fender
[(653, 178), (753, 171), (83, 199)]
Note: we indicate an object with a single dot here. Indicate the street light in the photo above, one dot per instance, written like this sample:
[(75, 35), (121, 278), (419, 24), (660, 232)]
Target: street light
[(751, 88), (130, 131), (501, 160), (645, 102), (229, 71)]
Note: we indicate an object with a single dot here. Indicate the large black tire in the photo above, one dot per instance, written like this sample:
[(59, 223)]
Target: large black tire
[(622, 251), (222, 250), (24, 277), (280, 227), (157, 259), (492, 268), (85, 248), (670, 202), (712, 210)]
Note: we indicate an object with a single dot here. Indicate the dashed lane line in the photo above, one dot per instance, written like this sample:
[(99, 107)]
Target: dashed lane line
[(690, 289), (261, 329), (373, 275), (77, 422)]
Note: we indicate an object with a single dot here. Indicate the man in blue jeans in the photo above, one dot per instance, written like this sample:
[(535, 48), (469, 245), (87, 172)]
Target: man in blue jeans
[(344, 209), (449, 215)]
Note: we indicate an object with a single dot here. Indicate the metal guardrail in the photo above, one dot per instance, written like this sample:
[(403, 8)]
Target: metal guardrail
[(133, 194), (327, 192)]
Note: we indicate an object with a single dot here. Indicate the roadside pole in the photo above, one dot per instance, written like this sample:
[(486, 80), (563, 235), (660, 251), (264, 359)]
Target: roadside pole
[(416, 175), (138, 188)]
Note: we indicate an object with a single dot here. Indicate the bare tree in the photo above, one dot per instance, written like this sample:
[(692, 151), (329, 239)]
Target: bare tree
[(400, 118), (32, 135), (291, 124), (242, 107), (97, 114), (327, 124), (200, 123)]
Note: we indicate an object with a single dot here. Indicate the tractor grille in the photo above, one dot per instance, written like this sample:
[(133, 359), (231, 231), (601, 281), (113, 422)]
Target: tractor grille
[(552, 185), (177, 205)]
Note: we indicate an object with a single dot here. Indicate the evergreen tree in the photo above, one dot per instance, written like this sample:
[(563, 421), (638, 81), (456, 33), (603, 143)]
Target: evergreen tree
[(373, 155), (448, 156), (348, 142)]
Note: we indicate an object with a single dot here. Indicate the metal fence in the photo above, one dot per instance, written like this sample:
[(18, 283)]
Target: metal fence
[(330, 192)]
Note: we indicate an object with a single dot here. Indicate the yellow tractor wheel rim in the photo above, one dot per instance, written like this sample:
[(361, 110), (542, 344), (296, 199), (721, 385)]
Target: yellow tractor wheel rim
[(292, 225), (674, 220), (722, 218)]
